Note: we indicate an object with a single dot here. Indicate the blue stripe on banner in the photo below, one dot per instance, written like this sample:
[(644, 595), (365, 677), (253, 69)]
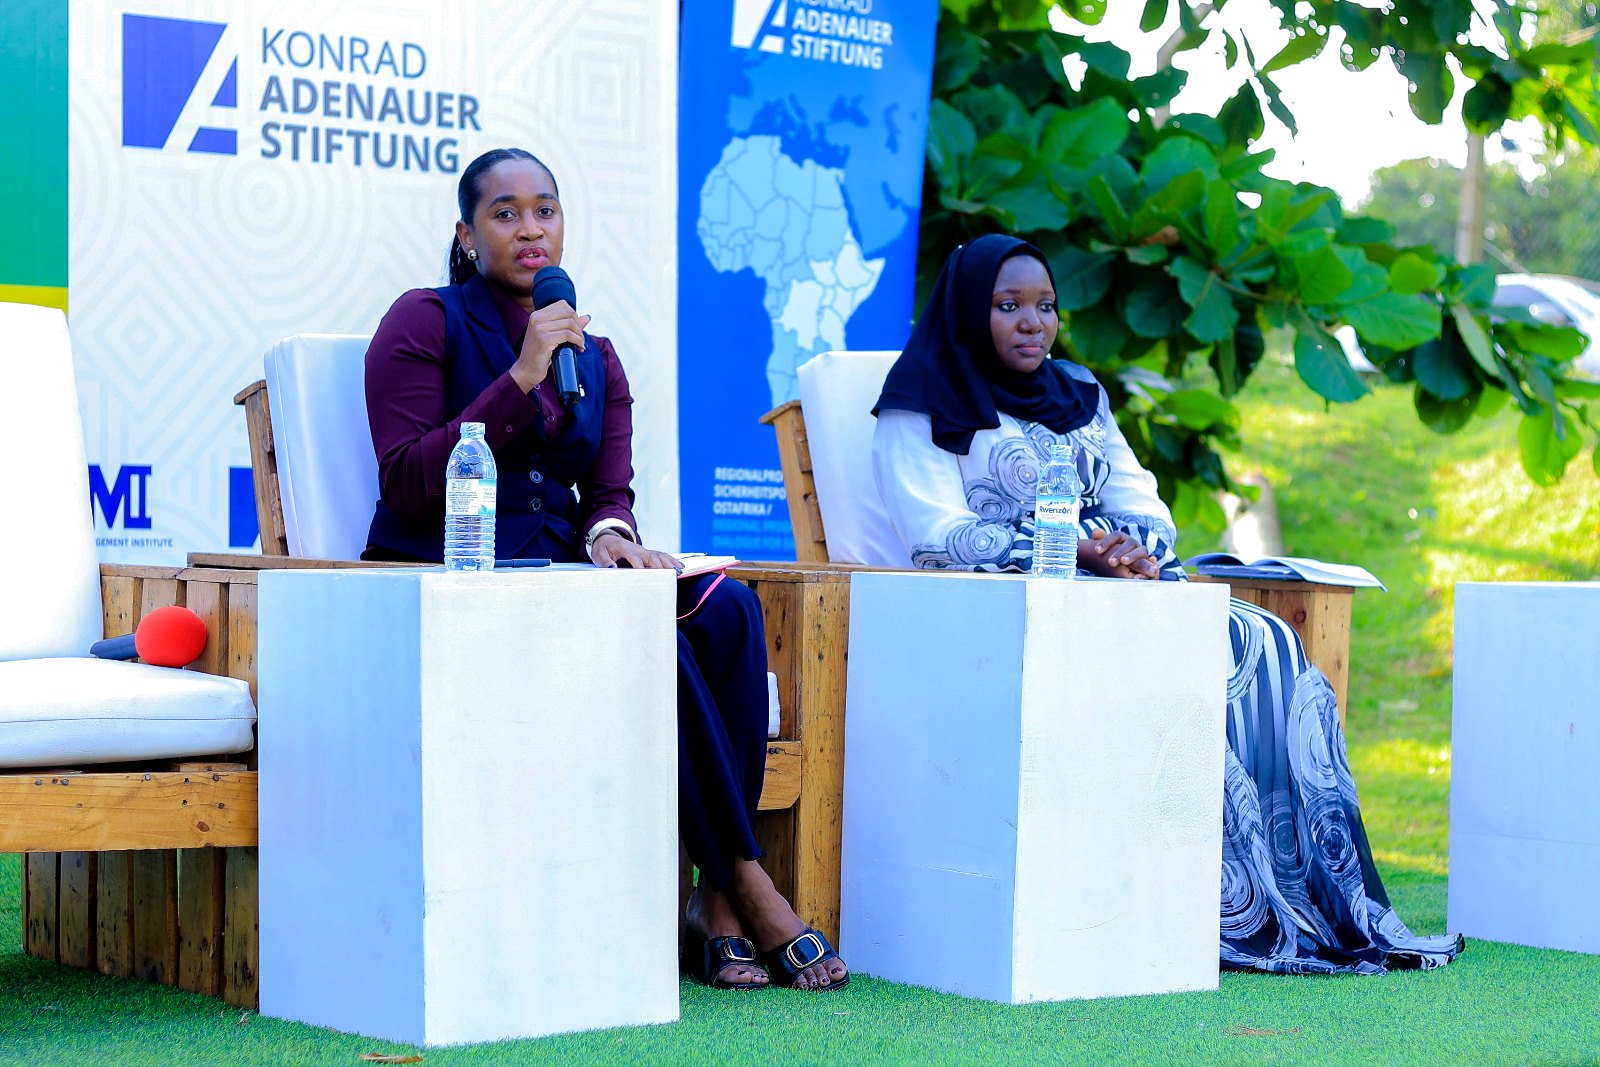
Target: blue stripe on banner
[(244, 525)]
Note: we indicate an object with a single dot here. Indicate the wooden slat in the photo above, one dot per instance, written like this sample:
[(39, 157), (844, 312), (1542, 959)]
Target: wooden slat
[(95, 812), (209, 600), (780, 611), (113, 952), (41, 916), (241, 946), (78, 870), (781, 787), (242, 634), (155, 916), (199, 562), (794, 456), (159, 593), (264, 466), (819, 808), (119, 603), (137, 570), (202, 895)]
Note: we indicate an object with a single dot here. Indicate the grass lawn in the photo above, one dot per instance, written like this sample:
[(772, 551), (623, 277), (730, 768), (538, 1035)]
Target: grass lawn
[(1365, 484)]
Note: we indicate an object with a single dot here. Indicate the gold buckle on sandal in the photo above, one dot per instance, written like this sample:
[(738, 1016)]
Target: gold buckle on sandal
[(793, 957)]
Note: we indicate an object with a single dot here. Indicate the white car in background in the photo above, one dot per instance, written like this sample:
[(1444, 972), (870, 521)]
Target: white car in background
[(1555, 299), (1560, 301)]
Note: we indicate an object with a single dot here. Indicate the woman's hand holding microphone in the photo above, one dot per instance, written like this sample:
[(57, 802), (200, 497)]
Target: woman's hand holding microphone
[(548, 328)]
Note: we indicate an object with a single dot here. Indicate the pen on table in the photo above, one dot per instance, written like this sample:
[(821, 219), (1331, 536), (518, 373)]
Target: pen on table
[(501, 564)]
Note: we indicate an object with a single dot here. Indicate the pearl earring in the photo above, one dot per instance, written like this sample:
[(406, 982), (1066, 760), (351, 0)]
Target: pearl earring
[(472, 254)]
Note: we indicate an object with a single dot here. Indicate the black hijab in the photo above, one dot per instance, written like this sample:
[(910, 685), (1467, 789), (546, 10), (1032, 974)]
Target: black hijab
[(951, 372)]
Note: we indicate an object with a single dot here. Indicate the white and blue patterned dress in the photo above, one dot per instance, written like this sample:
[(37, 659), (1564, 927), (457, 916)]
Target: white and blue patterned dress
[(1300, 893)]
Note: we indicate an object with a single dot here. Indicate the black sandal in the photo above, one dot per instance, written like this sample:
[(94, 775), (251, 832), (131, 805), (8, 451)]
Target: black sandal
[(705, 958), (785, 963)]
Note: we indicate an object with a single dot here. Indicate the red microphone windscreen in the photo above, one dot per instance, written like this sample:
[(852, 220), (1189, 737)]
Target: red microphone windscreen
[(170, 637)]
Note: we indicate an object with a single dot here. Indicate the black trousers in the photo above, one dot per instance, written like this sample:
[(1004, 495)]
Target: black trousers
[(722, 724)]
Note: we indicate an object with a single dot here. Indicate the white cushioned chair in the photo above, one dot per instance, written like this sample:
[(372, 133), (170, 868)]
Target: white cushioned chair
[(327, 474), (58, 706), (837, 391)]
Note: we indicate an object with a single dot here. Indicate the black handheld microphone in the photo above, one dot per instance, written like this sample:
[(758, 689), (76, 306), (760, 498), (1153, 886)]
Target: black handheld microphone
[(550, 286)]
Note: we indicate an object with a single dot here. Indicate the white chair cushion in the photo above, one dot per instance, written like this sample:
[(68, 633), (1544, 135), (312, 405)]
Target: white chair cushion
[(837, 391), (327, 473), (55, 712), (49, 572)]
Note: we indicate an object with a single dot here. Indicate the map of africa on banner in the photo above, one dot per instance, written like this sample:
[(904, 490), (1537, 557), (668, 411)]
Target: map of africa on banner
[(802, 132)]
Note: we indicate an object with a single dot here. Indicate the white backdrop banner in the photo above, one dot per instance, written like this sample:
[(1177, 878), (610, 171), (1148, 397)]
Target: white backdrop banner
[(244, 171)]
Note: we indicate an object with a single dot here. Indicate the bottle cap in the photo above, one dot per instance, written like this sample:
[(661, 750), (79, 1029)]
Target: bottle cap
[(472, 429)]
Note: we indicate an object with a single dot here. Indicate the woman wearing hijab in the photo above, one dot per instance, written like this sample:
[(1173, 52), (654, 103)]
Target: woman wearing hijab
[(969, 413), (476, 350)]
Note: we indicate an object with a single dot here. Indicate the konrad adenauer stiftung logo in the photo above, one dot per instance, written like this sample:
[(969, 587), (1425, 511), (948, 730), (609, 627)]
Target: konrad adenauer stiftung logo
[(312, 97), (163, 62), (829, 31)]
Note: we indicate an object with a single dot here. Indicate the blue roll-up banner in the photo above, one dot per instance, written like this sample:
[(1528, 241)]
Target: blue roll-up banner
[(802, 126)]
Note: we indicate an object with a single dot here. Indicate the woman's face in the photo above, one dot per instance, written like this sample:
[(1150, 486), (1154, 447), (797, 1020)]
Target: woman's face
[(517, 227), (1022, 316)]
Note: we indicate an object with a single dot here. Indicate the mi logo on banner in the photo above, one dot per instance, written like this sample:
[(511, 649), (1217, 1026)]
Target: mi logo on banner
[(760, 24), (167, 63)]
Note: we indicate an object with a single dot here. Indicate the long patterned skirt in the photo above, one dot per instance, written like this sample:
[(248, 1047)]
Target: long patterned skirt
[(1300, 893)]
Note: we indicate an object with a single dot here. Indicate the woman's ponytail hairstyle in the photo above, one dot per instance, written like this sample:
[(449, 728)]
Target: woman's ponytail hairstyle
[(458, 268)]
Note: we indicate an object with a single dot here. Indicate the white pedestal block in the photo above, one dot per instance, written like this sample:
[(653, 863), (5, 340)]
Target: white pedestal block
[(1033, 784), (1525, 764), (468, 801)]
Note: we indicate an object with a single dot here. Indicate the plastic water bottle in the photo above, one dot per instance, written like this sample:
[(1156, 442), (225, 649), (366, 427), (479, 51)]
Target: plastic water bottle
[(1055, 514), (469, 503)]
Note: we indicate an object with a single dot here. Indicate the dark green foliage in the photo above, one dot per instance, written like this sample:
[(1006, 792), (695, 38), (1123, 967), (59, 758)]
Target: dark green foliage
[(1173, 252)]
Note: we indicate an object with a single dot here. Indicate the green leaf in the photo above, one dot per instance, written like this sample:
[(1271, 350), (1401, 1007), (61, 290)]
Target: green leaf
[(1221, 218), (1414, 272), (1153, 309), (1168, 206), (1322, 363), (1322, 276), (1395, 321), (1443, 368), (1474, 337), (1214, 317), (1298, 50), (1582, 124), (1030, 207), (1445, 416), (1241, 116), (1158, 89), (1202, 126), (1146, 255), (1369, 278), (1356, 230), (1105, 58), (1155, 13), (1082, 135), (957, 57), (1544, 454), (1111, 209), (1082, 278), (992, 109), (1097, 333), (991, 167), (1199, 409), (951, 140), (1472, 285), (1487, 104), (1560, 343), (1175, 156), (1557, 53), (1432, 84), (1276, 105)]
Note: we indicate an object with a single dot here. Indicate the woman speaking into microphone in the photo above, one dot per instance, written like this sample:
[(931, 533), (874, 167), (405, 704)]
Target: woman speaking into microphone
[(477, 350)]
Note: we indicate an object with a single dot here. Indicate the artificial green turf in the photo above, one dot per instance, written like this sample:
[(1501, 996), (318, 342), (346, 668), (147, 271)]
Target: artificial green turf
[(1347, 484)]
